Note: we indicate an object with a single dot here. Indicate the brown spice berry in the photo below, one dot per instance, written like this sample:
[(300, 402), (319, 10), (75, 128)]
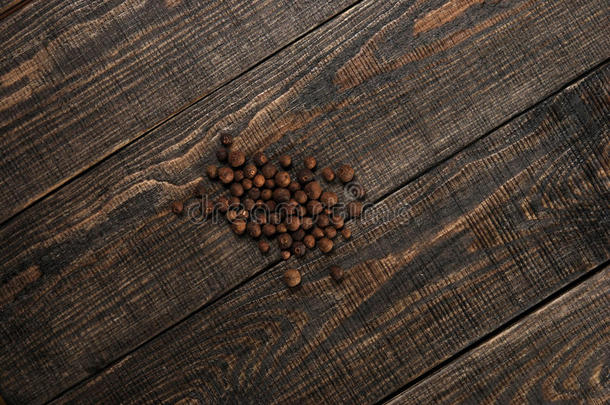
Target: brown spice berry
[(347, 233), (309, 241), (237, 158), (300, 196), (231, 215), (336, 273), (222, 154), (281, 228), (337, 221), (246, 184), (237, 189), (212, 171), (268, 230), (310, 162), (285, 161), (254, 230), (248, 204), (226, 139), (268, 171), (238, 175), (330, 232), (234, 202), (222, 203), (298, 235), (281, 195), (225, 174), (329, 199), (328, 174), (292, 277), (260, 159), (323, 221), (282, 179), (263, 246), (294, 186), (254, 193), (293, 223), (345, 173), (266, 194), (304, 176), (325, 245), (354, 209), (284, 241), (299, 249), (306, 223), (177, 207), (259, 180), (239, 226), (250, 171), (317, 233), (313, 190), (285, 254), (314, 207), (270, 183)]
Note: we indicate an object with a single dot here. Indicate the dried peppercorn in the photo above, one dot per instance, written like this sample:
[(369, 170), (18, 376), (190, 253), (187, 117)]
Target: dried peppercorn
[(313, 190), (266, 194), (336, 273), (329, 199), (237, 189), (330, 232), (234, 202), (299, 249), (337, 221), (250, 171), (258, 180), (314, 207), (248, 204), (263, 246), (307, 223), (246, 184), (310, 162), (222, 154), (294, 186), (212, 171), (237, 158), (284, 241), (231, 215), (281, 228), (239, 226), (222, 203), (300, 196), (323, 221), (345, 173), (281, 195), (177, 207), (293, 223), (292, 277), (270, 183), (285, 161), (328, 174), (285, 254), (238, 175), (268, 171), (254, 193), (254, 230), (298, 235), (269, 230), (304, 176), (225, 174), (317, 232), (354, 209), (347, 233), (325, 245), (260, 159), (226, 139), (309, 241), (282, 179)]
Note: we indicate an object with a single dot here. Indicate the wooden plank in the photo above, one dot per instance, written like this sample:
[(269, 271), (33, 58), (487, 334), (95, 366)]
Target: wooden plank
[(559, 354), (438, 264), (101, 266), (79, 80)]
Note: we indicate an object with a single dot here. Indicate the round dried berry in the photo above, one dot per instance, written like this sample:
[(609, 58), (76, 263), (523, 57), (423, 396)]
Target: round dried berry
[(237, 158), (250, 171), (310, 162), (285, 161), (226, 139), (304, 176), (263, 246), (336, 273), (328, 174), (226, 175), (313, 190), (239, 226), (282, 179), (345, 173), (325, 245), (328, 198), (260, 159), (268, 171)]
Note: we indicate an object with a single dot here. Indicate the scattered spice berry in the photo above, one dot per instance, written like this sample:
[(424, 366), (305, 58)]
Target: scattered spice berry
[(330, 232), (294, 186), (317, 232), (285, 161), (345, 173), (329, 199), (328, 174), (268, 171), (269, 230), (260, 159), (336, 273), (304, 176), (310, 162), (225, 174), (284, 241), (177, 207), (282, 179), (237, 158), (323, 221), (263, 246), (313, 190), (239, 226), (325, 245), (299, 249), (259, 180), (292, 277), (309, 241), (285, 254), (238, 175), (254, 229), (226, 139), (237, 189), (250, 171), (246, 184), (347, 233)]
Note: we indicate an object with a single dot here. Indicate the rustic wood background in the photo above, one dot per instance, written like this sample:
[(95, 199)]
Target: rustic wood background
[(481, 130)]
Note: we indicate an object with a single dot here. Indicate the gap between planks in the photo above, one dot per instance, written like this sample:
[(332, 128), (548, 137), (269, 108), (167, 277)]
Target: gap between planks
[(69, 179), (498, 331), (408, 181)]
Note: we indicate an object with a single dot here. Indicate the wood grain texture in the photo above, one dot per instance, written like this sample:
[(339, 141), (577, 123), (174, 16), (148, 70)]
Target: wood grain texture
[(79, 80), (444, 260), (559, 354), (117, 268)]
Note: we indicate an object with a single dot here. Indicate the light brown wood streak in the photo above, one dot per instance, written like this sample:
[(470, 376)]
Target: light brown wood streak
[(442, 15), (557, 354), (117, 268), (445, 260)]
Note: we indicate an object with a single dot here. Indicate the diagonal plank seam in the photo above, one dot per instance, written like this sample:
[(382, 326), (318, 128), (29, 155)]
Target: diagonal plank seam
[(498, 331), (381, 198), (14, 7), (69, 179)]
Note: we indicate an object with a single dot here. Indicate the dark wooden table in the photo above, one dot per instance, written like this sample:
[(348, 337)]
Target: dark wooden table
[(480, 129)]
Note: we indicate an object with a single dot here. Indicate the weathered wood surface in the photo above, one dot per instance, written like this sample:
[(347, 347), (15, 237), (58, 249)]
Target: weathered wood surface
[(80, 79), (559, 354), (448, 258), (100, 266)]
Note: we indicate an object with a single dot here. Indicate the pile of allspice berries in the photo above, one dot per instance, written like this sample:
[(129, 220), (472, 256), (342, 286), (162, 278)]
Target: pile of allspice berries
[(266, 202)]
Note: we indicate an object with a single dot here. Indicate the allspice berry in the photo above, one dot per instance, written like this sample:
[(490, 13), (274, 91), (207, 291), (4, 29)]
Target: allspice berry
[(222, 154), (254, 230), (177, 207), (260, 159), (239, 226), (305, 176), (282, 179), (281, 195), (309, 241), (222, 203), (237, 158), (281, 228), (294, 186), (354, 209), (337, 221), (285, 254), (306, 223), (292, 277), (284, 241), (263, 246), (317, 232), (212, 171), (268, 230), (226, 139), (325, 245), (266, 194), (270, 183), (299, 249), (231, 215), (248, 204), (313, 190), (328, 174), (254, 193), (237, 189), (225, 174), (293, 223), (300, 196), (347, 233), (330, 232), (345, 173), (329, 199), (238, 175), (268, 171), (310, 162), (285, 161), (246, 184), (336, 273), (314, 207), (298, 235), (250, 171), (258, 180), (323, 221)]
